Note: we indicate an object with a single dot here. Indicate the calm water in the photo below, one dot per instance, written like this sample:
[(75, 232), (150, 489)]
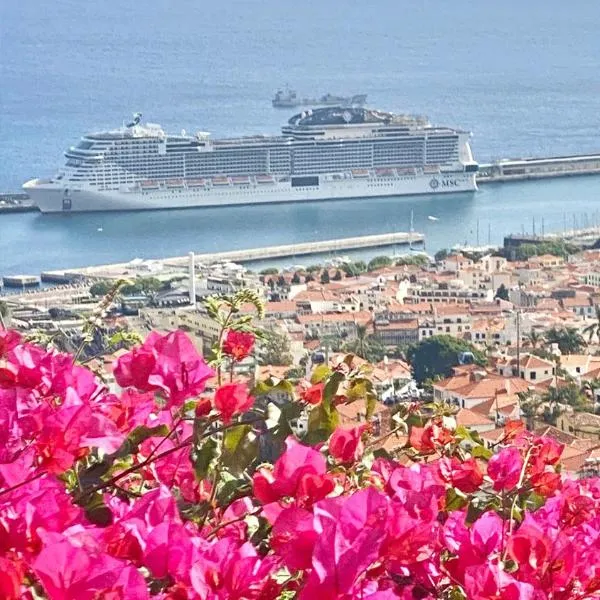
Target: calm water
[(521, 75)]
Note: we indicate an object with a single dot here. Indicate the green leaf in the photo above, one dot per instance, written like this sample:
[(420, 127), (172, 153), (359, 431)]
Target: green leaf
[(234, 436), (92, 476), (203, 457), (331, 388), (455, 500), (322, 422), (240, 448), (320, 373), (481, 452), (273, 384), (96, 511), (230, 488)]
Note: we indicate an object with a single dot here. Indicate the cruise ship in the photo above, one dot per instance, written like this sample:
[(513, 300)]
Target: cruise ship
[(321, 154)]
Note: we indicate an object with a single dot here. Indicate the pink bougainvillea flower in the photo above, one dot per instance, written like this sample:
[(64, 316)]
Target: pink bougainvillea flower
[(226, 571), (505, 468), (345, 445), (168, 363), (426, 440), (312, 394), (294, 537), (466, 476), (232, 399), (8, 340), (238, 344), (489, 582), (11, 577), (68, 572), (351, 532), (135, 368), (299, 471)]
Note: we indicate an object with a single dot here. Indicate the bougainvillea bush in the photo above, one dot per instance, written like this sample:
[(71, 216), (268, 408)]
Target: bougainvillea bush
[(190, 484)]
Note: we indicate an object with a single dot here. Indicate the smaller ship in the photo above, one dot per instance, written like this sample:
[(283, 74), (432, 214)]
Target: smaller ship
[(289, 99)]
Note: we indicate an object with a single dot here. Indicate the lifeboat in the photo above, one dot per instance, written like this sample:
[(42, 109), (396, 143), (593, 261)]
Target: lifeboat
[(360, 173), (262, 179), (240, 180), (194, 183), (174, 183), (384, 172), (405, 171), (431, 169), (149, 185), (220, 181)]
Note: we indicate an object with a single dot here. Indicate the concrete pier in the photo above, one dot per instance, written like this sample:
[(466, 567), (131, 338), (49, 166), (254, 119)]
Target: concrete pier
[(20, 281), (241, 256), (303, 249), (538, 168)]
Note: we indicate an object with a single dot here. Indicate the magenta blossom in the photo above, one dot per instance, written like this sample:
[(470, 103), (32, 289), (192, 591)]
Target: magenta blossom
[(170, 364)]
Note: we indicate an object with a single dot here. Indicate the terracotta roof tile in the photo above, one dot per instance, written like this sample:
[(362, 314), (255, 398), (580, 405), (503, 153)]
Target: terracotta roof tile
[(468, 418)]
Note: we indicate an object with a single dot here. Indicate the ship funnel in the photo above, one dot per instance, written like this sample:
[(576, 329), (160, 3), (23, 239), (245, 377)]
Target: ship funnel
[(137, 117)]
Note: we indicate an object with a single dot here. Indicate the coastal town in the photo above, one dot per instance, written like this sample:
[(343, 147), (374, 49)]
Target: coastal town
[(497, 337)]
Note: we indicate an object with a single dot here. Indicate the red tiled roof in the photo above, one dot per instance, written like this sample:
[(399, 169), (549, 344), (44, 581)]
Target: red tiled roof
[(468, 418)]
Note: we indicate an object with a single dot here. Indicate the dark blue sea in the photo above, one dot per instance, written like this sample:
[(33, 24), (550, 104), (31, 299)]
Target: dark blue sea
[(522, 76)]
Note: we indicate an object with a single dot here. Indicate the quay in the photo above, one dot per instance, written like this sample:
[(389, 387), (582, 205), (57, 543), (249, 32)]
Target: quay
[(20, 281), (240, 256), (306, 248), (505, 170), (15, 202)]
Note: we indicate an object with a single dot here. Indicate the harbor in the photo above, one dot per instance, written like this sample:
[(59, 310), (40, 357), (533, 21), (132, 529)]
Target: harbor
[(239, 256)]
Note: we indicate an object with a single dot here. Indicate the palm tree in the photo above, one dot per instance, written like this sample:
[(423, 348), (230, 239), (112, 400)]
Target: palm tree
[(366, 346), (529, 404), (533, 338), (568, 339), (594, 328)]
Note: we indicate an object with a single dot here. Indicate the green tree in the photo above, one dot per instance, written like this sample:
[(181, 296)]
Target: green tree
[(334, 342), (378, 262), (313, 268), (281, 282), (269, 271), (354, 269), (296, 279), (274, 348), (441, 255), (309, 278), (337, 276), (417, 260), (437, 355), (100, 288), (295, 372), (143, 285), (366, 346), (325, 277), (594, 328), (568, 339), (502, 292), (4, 313)]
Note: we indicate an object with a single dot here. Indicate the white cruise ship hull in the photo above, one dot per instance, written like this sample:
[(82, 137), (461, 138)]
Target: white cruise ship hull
[(54, 197)]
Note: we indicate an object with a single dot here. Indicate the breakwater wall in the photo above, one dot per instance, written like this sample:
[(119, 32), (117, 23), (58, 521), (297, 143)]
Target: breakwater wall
[(506, 170)]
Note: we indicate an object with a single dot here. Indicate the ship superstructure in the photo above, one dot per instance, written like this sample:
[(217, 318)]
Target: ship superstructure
[(322, 154)]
